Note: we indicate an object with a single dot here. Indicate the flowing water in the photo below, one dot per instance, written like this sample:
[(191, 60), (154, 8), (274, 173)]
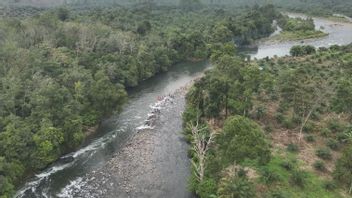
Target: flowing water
[(141, 152), (340, 33)]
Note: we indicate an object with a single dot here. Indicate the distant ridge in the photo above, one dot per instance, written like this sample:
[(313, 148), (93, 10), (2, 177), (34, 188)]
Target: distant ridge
[(39, 3)]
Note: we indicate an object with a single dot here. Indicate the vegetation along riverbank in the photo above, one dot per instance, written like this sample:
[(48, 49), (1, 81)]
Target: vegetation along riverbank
[(74, 68), (297, 29), (272, 128)]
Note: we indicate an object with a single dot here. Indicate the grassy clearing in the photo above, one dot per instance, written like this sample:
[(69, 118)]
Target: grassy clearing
[(276, 179), (298, 35)]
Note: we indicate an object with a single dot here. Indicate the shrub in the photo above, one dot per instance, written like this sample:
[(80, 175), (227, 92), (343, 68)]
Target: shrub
[(315, 115), (329, 185), (207, 188), (343, 170), (324, 153), (296, 120), (298, 178), (309, 127), (302, 50), (319, 165), (279, 117), (268, 128), (269, 176), (287, 165), (336, 126), (333, 144), (309, 138), (341, 137), (260, 112), (288, 123), (293, 148), (325, 132), (236, 187)]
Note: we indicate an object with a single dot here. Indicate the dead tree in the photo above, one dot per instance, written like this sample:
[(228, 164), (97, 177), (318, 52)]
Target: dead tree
[(200, 145)]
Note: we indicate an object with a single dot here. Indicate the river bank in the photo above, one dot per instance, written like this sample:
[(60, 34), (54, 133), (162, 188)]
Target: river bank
[(297, 36), (153, 163), (117, 132), (120, 130), (339, 34)]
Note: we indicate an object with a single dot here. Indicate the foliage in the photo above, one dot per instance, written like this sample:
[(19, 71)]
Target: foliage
[(293, 148), (297, 92), (75, 67), (241, 139), (343, 170), (332, 144), (319, 165), (298, 177), (296, 24), (237, 187), (302, 50), (323, 153), (330, 185), (309, 138)]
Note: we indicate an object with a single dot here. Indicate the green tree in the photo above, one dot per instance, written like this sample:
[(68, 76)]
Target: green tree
[(48, 141), (343, 170), (242, 139), (342, 102)]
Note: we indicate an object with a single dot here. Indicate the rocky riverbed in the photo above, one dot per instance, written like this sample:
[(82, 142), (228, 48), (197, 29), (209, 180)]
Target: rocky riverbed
[(153, 163)]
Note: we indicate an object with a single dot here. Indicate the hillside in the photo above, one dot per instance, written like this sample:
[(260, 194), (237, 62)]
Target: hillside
[(315, 7), (273, 128)]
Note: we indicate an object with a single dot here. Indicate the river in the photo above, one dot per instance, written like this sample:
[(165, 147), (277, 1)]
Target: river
[(340, 33), (132, 157)]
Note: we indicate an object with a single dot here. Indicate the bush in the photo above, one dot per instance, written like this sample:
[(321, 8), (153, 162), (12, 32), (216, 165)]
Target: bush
[(309, 127), (309, 138), (336, 126), (296, 120), (329, 185), (332, 144), (341, 137), (315, 115), (279, 117), (260, 112), (236, 187), (324, 153), (288, 123), (269, 176), (343, 170), (269, 128), (293, 148), (325, 132), (302, 50), (298, 178), (319, 165), (287, 165), (207, 188)]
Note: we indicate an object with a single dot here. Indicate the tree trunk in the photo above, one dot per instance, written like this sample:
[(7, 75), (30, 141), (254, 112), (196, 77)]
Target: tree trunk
[(226, 108)]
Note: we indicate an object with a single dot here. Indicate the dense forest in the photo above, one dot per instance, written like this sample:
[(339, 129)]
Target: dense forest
[(315, 7), (63, 71), (271, 128), (276, 127)]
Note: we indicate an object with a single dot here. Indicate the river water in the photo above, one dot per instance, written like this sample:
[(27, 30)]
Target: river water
[(132, 157), (340, 33)]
